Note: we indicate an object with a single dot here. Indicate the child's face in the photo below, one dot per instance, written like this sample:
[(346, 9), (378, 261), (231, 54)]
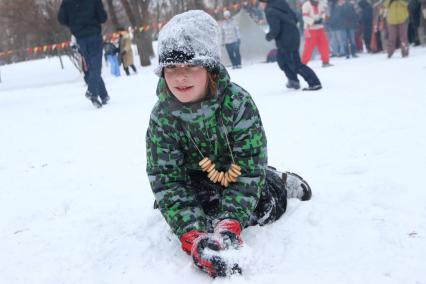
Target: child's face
[(186, 82)]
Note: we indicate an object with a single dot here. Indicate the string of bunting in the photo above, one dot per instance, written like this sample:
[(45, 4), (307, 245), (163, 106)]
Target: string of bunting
[(155, 26)]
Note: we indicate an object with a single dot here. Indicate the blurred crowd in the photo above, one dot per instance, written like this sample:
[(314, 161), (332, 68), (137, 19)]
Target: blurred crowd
[(118, 51), (343, 28), (336, 28), (353, 26)]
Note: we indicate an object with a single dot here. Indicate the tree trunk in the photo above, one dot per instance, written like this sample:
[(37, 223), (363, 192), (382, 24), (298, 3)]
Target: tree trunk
[(112, 13), (145, 47), (147, 36), (129, 12), (199, 4), (140, 18)]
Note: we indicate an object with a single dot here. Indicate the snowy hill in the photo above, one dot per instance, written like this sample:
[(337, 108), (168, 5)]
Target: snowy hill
[(76, 206)]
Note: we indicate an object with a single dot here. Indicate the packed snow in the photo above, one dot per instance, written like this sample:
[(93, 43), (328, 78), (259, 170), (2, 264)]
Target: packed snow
[(76, 205)]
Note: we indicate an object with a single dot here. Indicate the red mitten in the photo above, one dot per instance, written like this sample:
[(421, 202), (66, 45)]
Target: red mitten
[(205, 256), (188, 239), (229, 231)]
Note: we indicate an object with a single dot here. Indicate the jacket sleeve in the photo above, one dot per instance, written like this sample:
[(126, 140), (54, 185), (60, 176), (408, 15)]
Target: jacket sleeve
[(250, 153), (168, 179), (306, 12), (100, 12), (63, 15), (274, 19), (274, 26), (237, 30)]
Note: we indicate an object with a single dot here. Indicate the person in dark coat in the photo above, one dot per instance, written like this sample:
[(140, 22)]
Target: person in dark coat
[(367, 22), (84, 19), (283, 29), (332, 30), (348, 23), (414, 8)]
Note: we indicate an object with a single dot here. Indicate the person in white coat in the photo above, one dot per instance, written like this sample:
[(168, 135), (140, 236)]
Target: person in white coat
[(314, 16), (231, 39)]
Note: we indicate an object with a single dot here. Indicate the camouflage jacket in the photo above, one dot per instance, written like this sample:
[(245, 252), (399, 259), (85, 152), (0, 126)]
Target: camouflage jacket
[(173, 130)]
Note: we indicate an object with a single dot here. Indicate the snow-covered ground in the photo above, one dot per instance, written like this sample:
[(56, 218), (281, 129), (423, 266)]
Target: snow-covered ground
[(76, 205)]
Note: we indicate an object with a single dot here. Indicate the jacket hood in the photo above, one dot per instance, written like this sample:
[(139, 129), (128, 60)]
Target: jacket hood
[(280, 5), (363, 3), (189, 112)]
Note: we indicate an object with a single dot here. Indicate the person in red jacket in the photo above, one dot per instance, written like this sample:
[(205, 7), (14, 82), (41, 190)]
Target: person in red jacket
[(314, 15)]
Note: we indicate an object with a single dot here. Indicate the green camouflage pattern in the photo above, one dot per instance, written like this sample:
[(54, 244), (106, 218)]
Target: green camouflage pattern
[(175, 127)]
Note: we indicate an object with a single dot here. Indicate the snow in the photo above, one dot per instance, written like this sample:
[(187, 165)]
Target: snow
[(76, 206)]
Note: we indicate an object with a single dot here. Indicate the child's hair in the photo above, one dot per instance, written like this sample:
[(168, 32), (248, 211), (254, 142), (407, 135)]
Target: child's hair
[(211, 84)]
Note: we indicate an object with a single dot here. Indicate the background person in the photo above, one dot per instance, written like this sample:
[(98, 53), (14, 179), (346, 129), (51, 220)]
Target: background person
[(314, 15), (231, 39), (111, 56), (396, 14), (126, 52), (84, 18), (283, 29)]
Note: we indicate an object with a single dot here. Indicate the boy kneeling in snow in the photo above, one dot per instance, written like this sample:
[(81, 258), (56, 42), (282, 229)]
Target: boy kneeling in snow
[(206, 148)]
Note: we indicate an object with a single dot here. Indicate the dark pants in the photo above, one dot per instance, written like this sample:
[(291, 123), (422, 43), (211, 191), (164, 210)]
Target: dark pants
[(271, 206), (126, 69), (233, 50), (289, 62), (91, 49), (413, 34), (366, 32), (347, 38)]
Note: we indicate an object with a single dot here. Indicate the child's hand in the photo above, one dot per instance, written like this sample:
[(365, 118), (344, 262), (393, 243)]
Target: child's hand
[(228, 231), (207, 256), (189, 238)]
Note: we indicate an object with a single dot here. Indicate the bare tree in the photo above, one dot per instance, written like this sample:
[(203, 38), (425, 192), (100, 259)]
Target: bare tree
[(199, 4), (139, 16), (112, 14), (29, 23), (145, 38)]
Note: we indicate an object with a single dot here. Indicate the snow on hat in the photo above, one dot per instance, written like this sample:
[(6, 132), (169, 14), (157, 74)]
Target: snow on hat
[(189, 38)]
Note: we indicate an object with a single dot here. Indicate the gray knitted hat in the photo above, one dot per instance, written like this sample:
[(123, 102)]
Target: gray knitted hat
[(189, 38)]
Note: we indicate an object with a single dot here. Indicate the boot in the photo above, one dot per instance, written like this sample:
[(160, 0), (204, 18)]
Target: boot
[(293, 85), (313, 88), (404, 50), (94, 99), (105, 100), (295, 185), (96, 103)]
